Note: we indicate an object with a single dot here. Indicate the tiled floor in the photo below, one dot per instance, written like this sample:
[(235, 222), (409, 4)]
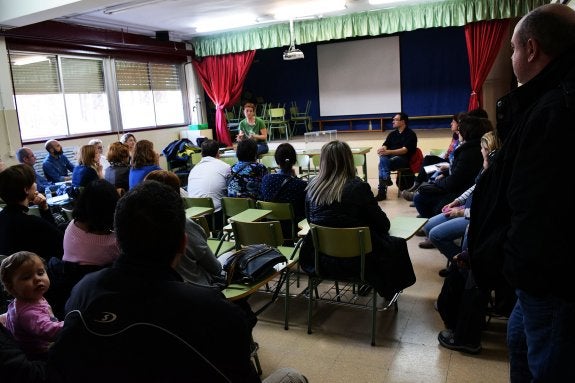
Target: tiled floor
[(407, 350)]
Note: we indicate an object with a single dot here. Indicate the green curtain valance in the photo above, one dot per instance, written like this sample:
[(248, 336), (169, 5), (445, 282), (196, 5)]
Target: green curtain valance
[(449, 13)]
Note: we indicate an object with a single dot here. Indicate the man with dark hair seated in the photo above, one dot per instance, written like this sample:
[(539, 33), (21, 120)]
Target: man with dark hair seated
[(208, 178), (137, 321)]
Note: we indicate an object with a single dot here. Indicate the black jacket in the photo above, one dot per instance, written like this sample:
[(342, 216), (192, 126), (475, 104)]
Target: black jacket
[(138, 322), (516, 222), (466, 164), (388, 268), (20, 231), (14, 365)]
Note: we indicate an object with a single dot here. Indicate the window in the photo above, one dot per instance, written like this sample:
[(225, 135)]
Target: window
[(149, 94), (65, 96)]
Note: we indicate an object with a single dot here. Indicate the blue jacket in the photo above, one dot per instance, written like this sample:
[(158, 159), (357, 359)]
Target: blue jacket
[(42, 183), (83, 175), (137, 175)]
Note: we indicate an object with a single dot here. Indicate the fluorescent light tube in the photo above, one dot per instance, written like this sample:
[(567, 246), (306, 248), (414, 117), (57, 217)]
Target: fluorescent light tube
[(25, 60), (130, 5), (311, 8), (378, 2), (223, 23)]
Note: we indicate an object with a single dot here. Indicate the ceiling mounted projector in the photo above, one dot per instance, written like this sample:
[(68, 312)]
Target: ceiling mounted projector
[(293, 54)]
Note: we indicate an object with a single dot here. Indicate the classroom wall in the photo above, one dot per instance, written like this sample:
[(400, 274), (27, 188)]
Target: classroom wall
[(441, 88), (435, 77)]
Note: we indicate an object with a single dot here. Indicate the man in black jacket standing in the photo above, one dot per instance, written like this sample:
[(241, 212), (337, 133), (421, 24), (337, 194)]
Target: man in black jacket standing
[(513, 229)]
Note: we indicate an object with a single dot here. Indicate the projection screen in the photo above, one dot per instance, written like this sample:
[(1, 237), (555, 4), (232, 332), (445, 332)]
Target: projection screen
[(359, 77)]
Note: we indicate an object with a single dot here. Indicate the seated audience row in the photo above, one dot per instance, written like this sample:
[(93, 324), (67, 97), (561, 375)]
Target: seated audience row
[(150, 230), (467, 161)]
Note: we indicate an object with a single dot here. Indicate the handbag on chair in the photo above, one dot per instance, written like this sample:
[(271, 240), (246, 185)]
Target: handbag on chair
[(251, 264)]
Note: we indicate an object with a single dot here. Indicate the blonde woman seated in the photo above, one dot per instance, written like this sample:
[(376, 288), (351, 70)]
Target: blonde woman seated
[(89, 168), (336, 197)]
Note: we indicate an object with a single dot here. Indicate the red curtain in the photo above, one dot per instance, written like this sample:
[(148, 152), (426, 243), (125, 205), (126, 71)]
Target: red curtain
[(223, 78), (483, 42)]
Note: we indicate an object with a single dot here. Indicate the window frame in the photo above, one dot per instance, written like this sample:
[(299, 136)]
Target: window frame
[(111, 91)]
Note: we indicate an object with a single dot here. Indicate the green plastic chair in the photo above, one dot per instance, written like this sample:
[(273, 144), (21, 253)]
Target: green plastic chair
[(340, 243), (270, 233), (217, 246), (281, 211), (202, 202), (269, 162)]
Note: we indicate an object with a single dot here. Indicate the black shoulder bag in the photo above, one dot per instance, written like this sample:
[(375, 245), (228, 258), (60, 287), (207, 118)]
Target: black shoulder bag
[(252, 263)]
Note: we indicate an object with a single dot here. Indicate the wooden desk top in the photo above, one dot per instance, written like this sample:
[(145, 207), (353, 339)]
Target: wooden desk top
[(196, 211), (250, 215), (406, 227), (310, 152), (402, 227), (317, 152)]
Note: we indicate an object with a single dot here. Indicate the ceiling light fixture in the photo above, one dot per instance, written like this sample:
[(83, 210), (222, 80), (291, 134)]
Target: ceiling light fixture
[(129, 5), (229, 22), (311, 8), (380, 2)]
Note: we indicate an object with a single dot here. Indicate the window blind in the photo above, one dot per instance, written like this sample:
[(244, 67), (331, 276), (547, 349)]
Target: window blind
[(29, 77), (132, 75), (82, 76)]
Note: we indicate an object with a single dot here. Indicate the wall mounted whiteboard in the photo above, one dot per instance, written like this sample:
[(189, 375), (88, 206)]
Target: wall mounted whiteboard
[(359, 77)]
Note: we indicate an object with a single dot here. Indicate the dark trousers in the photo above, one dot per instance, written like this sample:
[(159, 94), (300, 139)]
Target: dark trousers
[(427, 160)]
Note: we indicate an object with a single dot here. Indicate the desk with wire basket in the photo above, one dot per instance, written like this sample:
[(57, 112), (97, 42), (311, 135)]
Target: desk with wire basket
[(363, 150)]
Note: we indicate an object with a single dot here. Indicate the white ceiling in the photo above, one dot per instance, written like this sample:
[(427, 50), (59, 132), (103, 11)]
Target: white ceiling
[(175, 16)]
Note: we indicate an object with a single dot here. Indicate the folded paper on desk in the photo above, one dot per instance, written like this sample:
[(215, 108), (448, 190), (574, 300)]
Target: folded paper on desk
[(58, 199), (432, 168), (251, 264)]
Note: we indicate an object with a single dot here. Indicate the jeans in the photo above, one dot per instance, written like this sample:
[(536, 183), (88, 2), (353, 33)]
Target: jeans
[(422, 176), (442, 231), (263, 147), (541, 339), (389, 163)]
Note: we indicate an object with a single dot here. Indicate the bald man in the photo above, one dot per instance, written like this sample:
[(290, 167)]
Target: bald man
[(514, 231), (56, 166)]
